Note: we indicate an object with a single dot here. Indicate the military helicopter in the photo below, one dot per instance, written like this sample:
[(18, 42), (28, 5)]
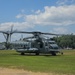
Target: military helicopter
[(38, 43)]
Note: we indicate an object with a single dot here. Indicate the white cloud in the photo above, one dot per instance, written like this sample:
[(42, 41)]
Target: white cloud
[(52, 15), (65, 2), (20, 16), (38, 11), (60, 30), (17, 25), (61, 15)]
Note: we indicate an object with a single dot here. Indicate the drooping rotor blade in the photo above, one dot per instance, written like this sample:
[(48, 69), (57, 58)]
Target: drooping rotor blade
[(53, 34), (49, 34), (3, 32), (29, 37), (7, 34), (22, 32), (34, 32), (28, 32)]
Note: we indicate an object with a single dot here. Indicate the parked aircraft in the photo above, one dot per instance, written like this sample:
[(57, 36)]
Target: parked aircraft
[(38, 43)]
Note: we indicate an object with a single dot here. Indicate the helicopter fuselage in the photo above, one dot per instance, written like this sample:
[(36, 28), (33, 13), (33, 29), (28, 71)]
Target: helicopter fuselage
[(36, 46)]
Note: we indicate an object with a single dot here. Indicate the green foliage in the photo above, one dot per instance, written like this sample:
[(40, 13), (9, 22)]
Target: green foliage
[(43, 63), (66, 41)]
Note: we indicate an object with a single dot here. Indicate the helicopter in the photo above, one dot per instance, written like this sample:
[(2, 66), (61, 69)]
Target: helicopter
[(38, 43)]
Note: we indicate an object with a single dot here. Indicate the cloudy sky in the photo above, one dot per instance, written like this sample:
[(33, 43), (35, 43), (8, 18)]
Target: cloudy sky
[(55, 16)]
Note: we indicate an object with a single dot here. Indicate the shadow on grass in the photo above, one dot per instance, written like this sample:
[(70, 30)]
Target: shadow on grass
[(32, 54), (26, 54)]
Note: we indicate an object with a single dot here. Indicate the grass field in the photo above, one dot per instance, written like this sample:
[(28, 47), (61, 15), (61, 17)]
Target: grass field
[(44, 63)]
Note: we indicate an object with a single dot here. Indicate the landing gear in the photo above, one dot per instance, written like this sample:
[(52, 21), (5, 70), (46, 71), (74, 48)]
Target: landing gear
[(53, 53), (22, 53), (61, 53), (37, 53)]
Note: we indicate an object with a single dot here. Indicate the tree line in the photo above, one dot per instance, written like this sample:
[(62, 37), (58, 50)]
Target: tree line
[(65, 41)]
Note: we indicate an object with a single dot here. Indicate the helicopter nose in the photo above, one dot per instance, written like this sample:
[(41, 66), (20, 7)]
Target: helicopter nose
[(54, 46)]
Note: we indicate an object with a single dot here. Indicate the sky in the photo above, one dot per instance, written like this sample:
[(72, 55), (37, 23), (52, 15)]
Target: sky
[(54, 16)]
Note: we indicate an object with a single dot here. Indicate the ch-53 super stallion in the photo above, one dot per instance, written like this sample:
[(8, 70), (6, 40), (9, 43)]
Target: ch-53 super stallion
[(38, 43)]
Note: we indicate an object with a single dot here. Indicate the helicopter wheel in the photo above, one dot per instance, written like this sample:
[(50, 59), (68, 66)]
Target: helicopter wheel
[(37, 53), (22, 53), (53, 53), (61, 53)]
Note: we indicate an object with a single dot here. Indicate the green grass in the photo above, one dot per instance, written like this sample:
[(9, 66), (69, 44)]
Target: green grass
[(57, 64)]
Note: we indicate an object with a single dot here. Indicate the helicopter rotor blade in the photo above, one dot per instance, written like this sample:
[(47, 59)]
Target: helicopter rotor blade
[(22, 32), (36, 33), (4, 32), (49, 33), (29, 37)]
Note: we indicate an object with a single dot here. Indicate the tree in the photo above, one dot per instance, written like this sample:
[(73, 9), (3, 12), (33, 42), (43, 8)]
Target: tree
[(66, 41)]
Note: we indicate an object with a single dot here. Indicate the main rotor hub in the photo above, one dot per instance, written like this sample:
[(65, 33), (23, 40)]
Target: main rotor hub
[(36, 33)]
